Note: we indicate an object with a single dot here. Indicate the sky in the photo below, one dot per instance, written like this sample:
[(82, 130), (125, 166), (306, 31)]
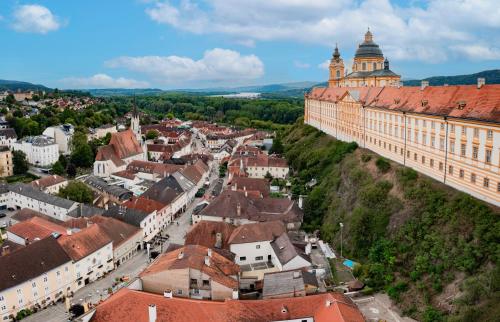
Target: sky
[(172, 44)]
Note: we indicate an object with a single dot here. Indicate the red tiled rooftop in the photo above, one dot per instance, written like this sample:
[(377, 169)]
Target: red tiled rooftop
[(132, 306), (144, 204), (47, 181), (36, 228), (83, 243)]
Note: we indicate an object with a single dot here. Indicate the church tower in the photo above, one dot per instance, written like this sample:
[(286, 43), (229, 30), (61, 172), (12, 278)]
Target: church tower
[(336, 69), (135, 124)]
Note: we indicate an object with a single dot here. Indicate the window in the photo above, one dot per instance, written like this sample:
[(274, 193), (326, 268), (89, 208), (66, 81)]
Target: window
[(179, 292), (433, 126), (452, 147), (407, 154), (243, 258), (461, 174), (431, 162), (259, 258), (442, 126), (415, 156), (423, 160), (464, 130), (490, 134), (476, 132), (363, 66), (474, 152), (498, 187), (452, 128), (441, 144), (462, 149), (488, 156), (424, 139), (473, 177), (33, 284), (206, 283), (193, 281), (440, 166), (257, 246), (450, 170), (486, 182), (374, 66)]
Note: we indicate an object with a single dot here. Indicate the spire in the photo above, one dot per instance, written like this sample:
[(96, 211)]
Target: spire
[(386, 64), (336, 53), (134, 108), (368, 36)]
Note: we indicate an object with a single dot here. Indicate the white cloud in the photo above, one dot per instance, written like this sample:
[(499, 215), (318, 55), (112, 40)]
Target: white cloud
[(479, 52), (431, 32), (300, 64), (325, 64), (103, 81), (34, 18), (246, 42), (219, 65)]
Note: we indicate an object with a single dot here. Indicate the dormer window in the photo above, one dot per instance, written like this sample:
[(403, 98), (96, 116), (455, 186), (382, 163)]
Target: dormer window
[(461, 105), (424, 103)]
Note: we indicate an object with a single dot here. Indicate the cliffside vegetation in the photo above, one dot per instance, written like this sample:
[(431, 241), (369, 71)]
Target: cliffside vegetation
[(434, 250)]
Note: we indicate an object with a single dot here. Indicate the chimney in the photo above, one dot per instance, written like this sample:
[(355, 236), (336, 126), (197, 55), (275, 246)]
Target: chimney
[(246, 193), (328, 303), (152, 313), (301, 201), (168, 294), (238, 209), (207, 260), (235, 294), (480, 82), (218, 240), (209, 252), (423, 85), (181, 255), (68, 231), (5, 250)]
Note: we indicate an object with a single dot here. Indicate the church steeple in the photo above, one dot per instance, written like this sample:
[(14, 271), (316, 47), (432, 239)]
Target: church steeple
[(368, 36), (336, 69), (135, 123)]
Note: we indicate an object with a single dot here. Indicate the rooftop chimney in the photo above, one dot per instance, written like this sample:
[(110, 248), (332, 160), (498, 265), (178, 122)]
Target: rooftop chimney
[(181, 255), (218, 240), (168, 294), (209, 252), (328, 303), (235, 294), (238, 209), (207, 260), (423, 85), (480, 82), (152, 313), (68, 231), (5, 250)]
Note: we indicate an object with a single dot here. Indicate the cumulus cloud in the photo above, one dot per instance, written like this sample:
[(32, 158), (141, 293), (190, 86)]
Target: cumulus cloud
[(34, 18), (219, 65), (479, 52), (324, 65), (434, 32), (103, 81)]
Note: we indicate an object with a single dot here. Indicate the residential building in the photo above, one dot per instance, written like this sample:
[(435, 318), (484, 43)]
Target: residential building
[(211, 234), (6, 165), (287, 255), (34, 276), (143, 220), (369, 67), (33, 230), (147, 205), (26, 214), (7, 136), (283, 284), (25, 196), (40, 150), (50, 184), (101, 131), (62, 135), (258, 166), (168, 191), (129, 305), (109, 193), (122, 149), (91, 251), (255, 187), (239, 208), (449, 133), (192, 271)]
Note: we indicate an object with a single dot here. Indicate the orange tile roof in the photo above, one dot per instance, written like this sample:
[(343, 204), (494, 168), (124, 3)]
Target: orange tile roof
[(144, 204), (132, 306), (83, 243), (261, 231), (193, 257), (36, 228), (47, 181), (122, 145), (204, 233), (480, 103)]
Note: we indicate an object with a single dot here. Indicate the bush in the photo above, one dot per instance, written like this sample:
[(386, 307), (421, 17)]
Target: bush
[(383, 165), (366, 157)]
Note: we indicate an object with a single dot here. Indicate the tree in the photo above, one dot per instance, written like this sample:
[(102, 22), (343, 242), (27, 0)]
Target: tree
[(63, 161), (82, 155), (170, 116), (151, 135), (277, 147), (58, 168), (20, 163), (77, 191), (10, 99), (268, 176), (71, 170)]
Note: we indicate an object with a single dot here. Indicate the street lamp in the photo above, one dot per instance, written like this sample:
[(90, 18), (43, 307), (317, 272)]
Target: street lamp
[(341, 229)]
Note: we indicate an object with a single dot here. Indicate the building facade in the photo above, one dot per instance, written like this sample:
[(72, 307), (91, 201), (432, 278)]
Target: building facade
[(40, 150), (369, 67), (6, 165), (450, 133), (62, 135)]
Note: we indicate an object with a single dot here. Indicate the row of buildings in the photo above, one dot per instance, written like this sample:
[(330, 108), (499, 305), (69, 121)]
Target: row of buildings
[(450, 133)]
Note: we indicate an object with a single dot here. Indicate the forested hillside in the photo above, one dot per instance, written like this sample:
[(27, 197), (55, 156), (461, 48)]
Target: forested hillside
[(433, 249)]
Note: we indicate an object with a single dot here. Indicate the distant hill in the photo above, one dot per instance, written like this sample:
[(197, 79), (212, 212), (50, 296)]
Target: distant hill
[(11, 85), (491, 76), (123, 91)]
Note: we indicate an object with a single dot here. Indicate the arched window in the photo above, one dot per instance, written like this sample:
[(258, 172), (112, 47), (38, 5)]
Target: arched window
[(338, 73), (374, 66), (363, 66)]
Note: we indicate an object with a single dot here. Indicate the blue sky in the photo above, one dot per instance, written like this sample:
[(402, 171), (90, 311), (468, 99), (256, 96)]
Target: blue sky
[(208, 43)]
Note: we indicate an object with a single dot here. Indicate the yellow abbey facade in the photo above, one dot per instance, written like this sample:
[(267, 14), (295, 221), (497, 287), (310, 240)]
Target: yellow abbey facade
[(449, 133), (369, 67)]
